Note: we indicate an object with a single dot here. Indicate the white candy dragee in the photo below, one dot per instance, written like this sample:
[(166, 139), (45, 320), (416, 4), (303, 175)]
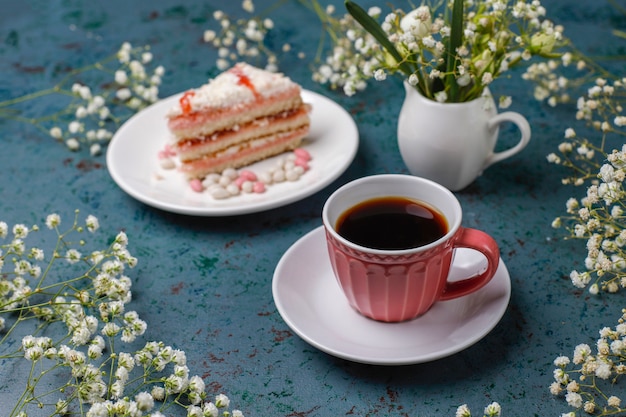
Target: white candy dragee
[(231, 182)]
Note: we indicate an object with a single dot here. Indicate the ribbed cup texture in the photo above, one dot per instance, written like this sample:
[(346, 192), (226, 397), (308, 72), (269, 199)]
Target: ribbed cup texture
[(391, 288)]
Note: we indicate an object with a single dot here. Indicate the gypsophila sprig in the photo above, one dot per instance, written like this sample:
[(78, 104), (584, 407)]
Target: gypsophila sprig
[(584, 380), (336, 63), (242, 39), (602, 109), (550, 83), (599, 219), (556, 78), (92, 113), (88, 311), (352, 59)]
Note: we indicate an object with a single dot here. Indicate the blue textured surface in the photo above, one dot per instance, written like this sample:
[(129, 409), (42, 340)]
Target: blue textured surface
[(213, 275)]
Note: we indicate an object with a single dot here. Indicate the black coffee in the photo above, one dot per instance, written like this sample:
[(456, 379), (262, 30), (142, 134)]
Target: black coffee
[(391, 223)]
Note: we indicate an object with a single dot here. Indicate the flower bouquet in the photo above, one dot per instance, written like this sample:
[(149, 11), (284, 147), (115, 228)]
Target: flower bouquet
[(449, 53)]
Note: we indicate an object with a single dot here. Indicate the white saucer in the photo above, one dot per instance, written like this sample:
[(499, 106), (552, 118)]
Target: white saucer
[(310, 301), (133, 164)]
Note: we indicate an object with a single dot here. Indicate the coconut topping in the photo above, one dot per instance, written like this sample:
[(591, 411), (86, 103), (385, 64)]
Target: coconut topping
[(241, 84)]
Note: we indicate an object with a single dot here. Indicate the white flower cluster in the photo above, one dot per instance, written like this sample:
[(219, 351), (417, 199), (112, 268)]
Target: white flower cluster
[(354, 58), (551, 84), (583, 379), (600, 219), (97, 114), (92, 308), (14, 286), (490, 47), (601, 108), (93, 114), (242, 39)]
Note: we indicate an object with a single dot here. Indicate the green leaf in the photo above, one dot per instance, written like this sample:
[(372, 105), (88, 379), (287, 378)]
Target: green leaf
[(369, 24), (454, 42)]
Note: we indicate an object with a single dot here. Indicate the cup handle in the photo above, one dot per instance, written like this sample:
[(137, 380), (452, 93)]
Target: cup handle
[(483, 243), (521, 123)]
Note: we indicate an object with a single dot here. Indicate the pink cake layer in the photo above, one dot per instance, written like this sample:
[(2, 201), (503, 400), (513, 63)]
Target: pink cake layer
[(190, 149), (244, 154)]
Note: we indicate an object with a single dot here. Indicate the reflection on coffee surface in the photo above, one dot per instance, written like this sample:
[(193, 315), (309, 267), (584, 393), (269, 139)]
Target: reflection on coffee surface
[(392, 223)]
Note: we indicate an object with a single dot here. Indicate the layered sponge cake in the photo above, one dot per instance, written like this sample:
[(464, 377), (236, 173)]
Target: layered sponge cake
[(244, 115)]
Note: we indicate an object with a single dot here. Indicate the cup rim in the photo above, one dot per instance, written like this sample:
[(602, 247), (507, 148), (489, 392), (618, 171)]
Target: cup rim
[(452, 227)]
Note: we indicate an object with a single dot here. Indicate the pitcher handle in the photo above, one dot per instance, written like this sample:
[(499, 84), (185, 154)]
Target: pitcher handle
[(521, 123)]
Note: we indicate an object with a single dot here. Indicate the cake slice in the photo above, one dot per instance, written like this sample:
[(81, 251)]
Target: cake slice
[(242, 116)]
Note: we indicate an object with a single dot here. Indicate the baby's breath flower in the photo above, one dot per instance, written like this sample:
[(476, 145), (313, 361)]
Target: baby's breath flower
[(20, 231), (92, 223), (158, 393), (56, 132), (110, 329), (463, 411), (574, 399), (222, 401), (73, 256), (95, 149), (493, 410), (613, 401), (73, 144), (53, 221), (562, 361), (505, 102)]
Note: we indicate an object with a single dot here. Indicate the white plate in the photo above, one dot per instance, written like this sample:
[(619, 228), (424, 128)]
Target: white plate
[(310, 301), (133, 164)]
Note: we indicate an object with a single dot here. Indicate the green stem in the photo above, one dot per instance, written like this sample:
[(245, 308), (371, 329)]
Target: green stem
[(454, 42), (29, 388), (31, 96), (327, 26), (58, 88)]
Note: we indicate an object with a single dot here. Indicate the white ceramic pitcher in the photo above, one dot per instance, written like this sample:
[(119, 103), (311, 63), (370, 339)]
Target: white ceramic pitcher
[(452, 143)]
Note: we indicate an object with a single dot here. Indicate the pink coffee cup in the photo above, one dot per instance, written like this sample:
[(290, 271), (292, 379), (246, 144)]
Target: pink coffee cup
[(399, 285)]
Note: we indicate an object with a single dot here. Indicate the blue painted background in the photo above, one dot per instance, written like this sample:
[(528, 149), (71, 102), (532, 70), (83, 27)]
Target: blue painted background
[(204, 284)]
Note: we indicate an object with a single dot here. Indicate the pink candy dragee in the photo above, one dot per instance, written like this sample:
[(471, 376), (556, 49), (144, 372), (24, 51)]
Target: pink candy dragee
[(231, 182), (166, 152), (302, 153), (239, 181), (259, 187), (196, 185), (304, 163), (248, 175)]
